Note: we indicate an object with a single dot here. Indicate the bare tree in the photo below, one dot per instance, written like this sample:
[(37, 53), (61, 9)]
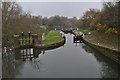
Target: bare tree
[(10, 10)]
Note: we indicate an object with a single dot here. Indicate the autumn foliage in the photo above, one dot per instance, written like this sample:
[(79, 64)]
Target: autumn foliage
[(105, 20)]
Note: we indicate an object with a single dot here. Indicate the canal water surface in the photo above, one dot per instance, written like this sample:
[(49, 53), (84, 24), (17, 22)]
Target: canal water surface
[(73, 60)]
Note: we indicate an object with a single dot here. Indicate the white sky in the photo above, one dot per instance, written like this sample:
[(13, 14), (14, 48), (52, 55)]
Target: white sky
[(68, 9)]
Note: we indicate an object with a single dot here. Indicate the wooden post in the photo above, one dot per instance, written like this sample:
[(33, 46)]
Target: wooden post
[(29, 35), (35, 39), (22, 38), (16, 40)]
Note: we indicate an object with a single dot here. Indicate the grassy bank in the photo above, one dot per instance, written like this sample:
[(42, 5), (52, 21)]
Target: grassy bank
[(84, 30), (103, 39), (107, 44), (52, 37), (113, 55)]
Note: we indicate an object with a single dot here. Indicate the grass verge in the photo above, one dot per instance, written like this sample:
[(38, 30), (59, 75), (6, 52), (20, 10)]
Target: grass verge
[(52, 37), (84, 30), (103, 38)]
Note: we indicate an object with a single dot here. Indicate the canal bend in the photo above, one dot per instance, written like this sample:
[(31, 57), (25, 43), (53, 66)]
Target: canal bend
[(73, 60)]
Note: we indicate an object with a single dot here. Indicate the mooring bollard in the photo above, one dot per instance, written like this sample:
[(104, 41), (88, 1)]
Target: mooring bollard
[(22, 41), (35, 39), (29, 35), (64, 37)]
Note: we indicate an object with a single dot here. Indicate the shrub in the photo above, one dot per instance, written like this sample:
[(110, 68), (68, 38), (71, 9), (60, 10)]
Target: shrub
[(111, 31), (101, 27)]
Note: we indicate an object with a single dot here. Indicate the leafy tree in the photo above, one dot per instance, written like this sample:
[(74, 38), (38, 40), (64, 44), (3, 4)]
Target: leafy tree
[(88, 17), (110, 17), (107, 17)]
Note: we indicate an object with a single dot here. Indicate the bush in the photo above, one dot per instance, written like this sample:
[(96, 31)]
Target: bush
[(111, 31), (101, 27)]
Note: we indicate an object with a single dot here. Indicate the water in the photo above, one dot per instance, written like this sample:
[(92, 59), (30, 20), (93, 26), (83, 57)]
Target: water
[(69, 61)]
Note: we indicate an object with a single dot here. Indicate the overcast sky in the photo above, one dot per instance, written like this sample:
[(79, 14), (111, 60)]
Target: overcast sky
[(68, 9)]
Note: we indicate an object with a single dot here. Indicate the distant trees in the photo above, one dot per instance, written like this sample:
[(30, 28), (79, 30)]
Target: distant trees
[(37, 20), (59, 22), (94, 19)]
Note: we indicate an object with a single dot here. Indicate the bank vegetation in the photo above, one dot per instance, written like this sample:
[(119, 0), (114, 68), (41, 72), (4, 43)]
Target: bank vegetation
[(15, 21)]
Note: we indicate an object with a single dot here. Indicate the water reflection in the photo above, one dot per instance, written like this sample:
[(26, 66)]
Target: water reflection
[(10, 66), (27, 54), (109, 68), (13, 61)]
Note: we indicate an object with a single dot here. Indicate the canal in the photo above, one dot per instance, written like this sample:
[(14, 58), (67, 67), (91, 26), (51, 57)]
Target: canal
[(72, 60)]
